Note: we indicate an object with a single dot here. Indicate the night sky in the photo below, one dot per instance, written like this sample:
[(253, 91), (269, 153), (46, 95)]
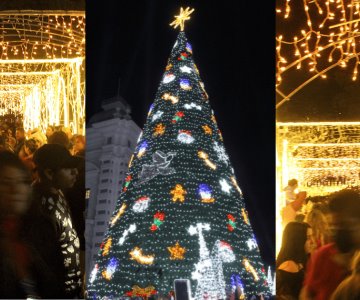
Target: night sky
[(132, 40)]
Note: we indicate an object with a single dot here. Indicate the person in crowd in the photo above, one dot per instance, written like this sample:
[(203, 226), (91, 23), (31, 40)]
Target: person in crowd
[(57, 173), (20, 139), (319, 224), (59, 138), (29, 148), (25, 236), (349, 289), (49, 131), (78, 145), (38, 135), (297, 244), (294, 202), (330, 264)]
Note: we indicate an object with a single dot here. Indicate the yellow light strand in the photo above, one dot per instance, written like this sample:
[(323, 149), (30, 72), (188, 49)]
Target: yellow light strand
[(181, 18)]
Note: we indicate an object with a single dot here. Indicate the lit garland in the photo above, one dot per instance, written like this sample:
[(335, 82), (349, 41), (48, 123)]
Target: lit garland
[(329, 39), (244, 214), (42, 76), (176, 252), (169, 160), (136, 254)]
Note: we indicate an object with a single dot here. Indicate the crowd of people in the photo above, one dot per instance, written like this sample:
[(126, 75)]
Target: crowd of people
[(42, 206), (319, 258)]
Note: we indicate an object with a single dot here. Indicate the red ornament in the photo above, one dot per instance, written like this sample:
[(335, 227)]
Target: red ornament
[(160, 216), (230, 228), (231, 217), (153, 227)]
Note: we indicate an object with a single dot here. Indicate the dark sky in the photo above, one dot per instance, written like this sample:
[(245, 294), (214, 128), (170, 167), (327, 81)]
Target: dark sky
[(233, 47)]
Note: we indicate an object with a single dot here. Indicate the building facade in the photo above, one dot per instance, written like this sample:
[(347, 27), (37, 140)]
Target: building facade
[(111, 137)]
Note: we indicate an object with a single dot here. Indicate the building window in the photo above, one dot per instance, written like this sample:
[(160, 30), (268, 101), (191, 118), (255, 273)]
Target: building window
[(105, 180), (102, 201), (103, 191), (99, 234), (106, 161), (105, 171), (109, 140), (101, 212), (87, 194), (129, 144), (100, 223)]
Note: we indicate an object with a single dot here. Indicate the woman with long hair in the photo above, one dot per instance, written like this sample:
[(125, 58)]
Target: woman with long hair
[(297, 244), (24, 236)]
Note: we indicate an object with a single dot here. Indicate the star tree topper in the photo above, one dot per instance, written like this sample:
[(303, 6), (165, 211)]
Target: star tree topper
[(181, 18)]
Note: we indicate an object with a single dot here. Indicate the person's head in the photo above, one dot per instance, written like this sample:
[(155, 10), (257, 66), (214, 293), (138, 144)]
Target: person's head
[(297, 242), (59, 138), (56, 166), (293, 183), (344, 208), (15, 189), (30, 146), (79, 143), (20, 133), (49, 131), (319, 224)]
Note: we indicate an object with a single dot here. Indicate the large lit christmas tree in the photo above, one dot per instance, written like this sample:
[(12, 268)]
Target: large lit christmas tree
[(181, 214)]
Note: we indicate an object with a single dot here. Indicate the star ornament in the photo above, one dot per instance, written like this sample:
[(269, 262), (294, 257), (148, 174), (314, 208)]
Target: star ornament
[(181, 18), (185, 69), (177, 252)]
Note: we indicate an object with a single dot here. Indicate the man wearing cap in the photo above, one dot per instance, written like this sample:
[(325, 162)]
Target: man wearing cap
[(57, 172)]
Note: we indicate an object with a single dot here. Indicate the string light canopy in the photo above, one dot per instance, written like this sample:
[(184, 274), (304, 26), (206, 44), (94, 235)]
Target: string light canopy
[(329, 39), (42, 77), (323, 156)]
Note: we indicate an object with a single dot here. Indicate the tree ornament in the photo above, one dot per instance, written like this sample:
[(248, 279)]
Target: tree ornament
[(142, 292), (192, 105), (159, 129), (157, 115), (142, 149), (160, 166), (181, 18), (158, 220), (168, 67), (250, 268), (178, 193), (127, 183), (231, 222), (207, 129), (185, 137), (137, 255), (131, 160), (220, 135), (110, 269), (185, 69), (107, 247), (188, 47), (149, 113), (204, 93), (213, 119), (170, 97), (244, 214), (177, 252), (168, 78), (225, 187), (185, 84), (205, 157), (178, 117), (205, 193), (131, 229), (141, 204), (252, 244), (118, 215), (183, 56), (220, 151)]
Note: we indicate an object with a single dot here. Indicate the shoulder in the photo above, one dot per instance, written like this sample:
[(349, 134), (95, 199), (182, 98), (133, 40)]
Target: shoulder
[(290, 266)]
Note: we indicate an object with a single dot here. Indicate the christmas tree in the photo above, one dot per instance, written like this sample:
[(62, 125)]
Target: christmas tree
[(181, 214)]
